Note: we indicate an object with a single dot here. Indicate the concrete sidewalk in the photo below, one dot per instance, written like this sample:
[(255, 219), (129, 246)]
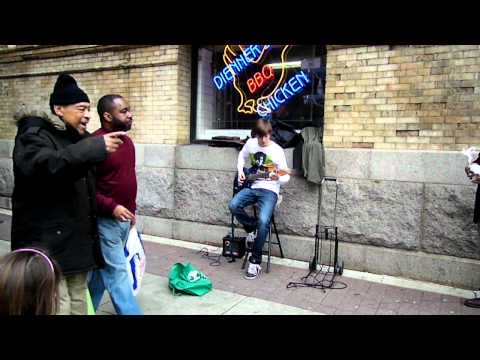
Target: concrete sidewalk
[(156, 299)]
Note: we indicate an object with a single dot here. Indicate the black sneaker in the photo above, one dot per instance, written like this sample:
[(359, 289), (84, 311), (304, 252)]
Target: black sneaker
[(253, 271)]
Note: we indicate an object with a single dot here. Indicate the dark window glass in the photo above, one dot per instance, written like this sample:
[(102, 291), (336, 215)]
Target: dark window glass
[(217, 111)]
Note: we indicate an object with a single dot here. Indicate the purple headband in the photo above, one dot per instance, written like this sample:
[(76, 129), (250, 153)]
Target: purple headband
[(39, 253)]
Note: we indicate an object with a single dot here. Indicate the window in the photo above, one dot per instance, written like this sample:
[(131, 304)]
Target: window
[(282, 82)]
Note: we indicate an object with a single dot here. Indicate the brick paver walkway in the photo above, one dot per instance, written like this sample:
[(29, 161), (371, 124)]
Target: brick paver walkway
[(359, 298)]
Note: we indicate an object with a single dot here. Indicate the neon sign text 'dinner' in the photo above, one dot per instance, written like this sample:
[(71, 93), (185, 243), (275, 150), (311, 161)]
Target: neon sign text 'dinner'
[(249, 55)]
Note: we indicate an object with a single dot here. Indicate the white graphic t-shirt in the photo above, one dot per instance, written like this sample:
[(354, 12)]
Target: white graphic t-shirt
[(253, 155)]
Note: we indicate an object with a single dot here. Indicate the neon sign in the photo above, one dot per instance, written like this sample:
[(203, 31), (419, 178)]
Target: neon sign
[(237, 59), (260, 78), (290, 88), (235, 66)]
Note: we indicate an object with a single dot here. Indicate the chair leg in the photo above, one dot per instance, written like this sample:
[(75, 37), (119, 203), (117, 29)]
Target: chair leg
[(232, 260), (245, 260), (278, 238), (269, 248)]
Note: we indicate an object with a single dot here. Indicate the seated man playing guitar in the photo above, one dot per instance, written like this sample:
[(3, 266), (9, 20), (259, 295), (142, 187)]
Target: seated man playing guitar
[(260, 185)]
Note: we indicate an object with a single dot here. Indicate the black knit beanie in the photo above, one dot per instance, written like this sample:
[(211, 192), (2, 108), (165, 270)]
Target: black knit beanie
[(66, 92)]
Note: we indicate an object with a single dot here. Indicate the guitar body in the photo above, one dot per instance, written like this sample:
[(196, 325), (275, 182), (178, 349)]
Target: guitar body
[(247, 184), (255, 173)]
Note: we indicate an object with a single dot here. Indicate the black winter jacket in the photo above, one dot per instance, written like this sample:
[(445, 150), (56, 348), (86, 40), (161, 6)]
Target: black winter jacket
[(476, 211), (53, 201)]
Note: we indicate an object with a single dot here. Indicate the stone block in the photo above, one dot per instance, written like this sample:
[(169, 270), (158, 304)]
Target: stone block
[(388, 262), (446, 270), (159, 156), (6, 177), (202, 157), (5, 227), (297, 214), (445, 167), (200, 233), (297, 248), (5, 203), (419, 166), (155, 192), (413, 166), (397, 166), (203, 196), (348, 163), (6, 148), (380, 213), (139, 155), (155, 226), (448, 224)]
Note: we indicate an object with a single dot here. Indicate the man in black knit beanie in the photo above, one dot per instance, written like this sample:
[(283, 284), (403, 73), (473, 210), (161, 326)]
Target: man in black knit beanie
[(53, 202)]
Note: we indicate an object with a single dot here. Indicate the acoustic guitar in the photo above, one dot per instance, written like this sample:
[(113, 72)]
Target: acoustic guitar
[(264, 173)]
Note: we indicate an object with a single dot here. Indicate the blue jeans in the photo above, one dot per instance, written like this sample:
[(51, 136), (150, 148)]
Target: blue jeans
[(266, 200), (114, 277)]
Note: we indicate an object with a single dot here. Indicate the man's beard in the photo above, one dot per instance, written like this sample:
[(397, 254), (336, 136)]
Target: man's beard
[(119, 125)]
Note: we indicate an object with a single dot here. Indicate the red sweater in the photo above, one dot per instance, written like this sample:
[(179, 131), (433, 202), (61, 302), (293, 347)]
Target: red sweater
[(116, 178)]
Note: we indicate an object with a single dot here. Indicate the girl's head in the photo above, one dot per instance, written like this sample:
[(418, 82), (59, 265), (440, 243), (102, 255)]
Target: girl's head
[(29, 282)]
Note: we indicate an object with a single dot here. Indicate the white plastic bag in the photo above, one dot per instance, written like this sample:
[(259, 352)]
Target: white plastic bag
[(136, 259), (472, 155)]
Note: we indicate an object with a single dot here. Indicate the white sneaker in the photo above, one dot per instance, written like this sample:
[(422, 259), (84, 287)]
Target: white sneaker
[(253, 271), (250, 239)]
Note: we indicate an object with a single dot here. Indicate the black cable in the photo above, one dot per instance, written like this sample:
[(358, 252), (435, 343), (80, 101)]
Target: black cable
[(215, 259), (330, 284), (322, 284)]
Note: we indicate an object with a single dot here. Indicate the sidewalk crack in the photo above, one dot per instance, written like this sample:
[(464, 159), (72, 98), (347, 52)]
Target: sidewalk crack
[(237, 303)]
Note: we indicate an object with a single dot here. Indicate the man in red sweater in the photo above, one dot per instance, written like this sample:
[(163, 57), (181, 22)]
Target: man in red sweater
[(116, 203)]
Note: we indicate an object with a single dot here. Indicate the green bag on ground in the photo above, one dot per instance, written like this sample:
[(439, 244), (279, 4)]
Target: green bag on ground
[(186, 279), (90, 309)]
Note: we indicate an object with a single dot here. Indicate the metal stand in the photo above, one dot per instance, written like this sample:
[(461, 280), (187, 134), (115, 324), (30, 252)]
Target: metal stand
[(322, 275), (235, 191), (329, 233)]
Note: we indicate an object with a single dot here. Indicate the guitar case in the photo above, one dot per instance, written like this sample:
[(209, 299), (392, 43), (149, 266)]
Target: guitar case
[(227, 142)]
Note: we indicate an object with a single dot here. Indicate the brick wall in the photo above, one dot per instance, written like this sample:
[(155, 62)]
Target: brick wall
[(382, 97), (155, 80), (403, 97)]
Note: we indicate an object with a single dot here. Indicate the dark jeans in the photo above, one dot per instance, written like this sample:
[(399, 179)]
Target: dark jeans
[(266, 200)]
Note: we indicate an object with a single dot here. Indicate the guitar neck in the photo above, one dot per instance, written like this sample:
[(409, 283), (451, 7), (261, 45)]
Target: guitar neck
[(266, 175), (254, 177)]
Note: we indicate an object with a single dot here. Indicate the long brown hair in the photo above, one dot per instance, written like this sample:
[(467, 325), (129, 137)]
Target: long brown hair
[(28, 286)]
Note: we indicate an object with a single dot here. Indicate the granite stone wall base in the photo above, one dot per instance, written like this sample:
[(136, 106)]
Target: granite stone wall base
[(401, 213), (6, 177)]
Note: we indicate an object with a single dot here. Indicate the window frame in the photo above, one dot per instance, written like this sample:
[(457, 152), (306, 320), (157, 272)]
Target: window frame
[(242, 133)]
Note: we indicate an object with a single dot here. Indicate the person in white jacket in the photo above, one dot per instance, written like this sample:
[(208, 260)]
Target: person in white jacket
[(263, 154)]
